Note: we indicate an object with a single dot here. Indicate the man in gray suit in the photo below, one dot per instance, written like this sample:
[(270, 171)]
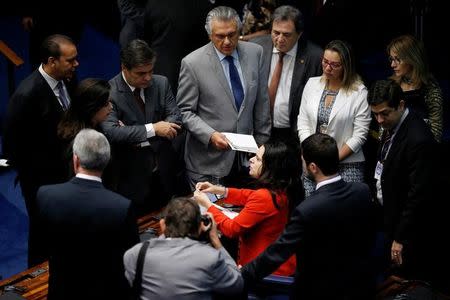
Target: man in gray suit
[(290, 60), (144, 120), (221, 88), (178, 265)]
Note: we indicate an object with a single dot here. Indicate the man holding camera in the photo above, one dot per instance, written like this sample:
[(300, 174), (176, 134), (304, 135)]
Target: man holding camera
[(181, 263)]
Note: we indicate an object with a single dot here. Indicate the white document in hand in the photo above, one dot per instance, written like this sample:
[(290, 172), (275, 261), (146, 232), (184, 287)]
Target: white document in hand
[(241, 142)]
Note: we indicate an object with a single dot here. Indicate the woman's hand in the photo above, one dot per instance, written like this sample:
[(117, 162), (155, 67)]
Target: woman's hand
[(207, 187), (202, 199)]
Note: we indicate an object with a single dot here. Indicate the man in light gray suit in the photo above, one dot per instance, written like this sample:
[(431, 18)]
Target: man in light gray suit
[(300, 60), (144, 120), (221, 88), (178, 265)]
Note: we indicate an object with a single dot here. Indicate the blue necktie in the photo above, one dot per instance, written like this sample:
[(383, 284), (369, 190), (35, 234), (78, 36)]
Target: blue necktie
[(62, 96), (236, 85)]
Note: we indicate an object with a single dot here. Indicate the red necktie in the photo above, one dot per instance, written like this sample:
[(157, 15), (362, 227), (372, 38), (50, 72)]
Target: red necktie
[(273, 86)]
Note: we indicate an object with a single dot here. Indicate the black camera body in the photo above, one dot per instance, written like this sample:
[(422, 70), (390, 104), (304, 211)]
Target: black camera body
[(204, 235), (206, 220)]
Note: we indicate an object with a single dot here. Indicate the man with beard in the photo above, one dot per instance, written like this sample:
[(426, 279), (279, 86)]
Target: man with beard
[(331, 232), (34, 111)]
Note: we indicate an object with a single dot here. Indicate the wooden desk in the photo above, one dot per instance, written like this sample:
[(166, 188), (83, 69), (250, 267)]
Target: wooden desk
[(32, 283)]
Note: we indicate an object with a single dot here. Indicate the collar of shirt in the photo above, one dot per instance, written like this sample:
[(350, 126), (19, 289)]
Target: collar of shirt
[(226, 68), (405, 114), (222, 56), (292, 52), (328, 181), (52, 82), (88, 177), (132, 88)]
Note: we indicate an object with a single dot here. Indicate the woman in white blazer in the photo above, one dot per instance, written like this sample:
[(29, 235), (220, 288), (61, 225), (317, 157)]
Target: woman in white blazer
[(336, 104)]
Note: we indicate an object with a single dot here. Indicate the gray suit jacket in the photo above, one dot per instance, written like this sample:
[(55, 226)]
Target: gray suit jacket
[(207, 105), (308, 63), (159, 105), (182, 268), (132, 167)]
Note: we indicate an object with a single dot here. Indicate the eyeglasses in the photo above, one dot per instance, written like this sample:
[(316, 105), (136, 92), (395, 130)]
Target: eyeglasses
[(394, 59), (222, 37), (333, 64)]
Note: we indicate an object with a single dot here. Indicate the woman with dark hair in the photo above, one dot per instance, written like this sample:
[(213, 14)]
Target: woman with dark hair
[(89, 107), (336, 104), (420, 89), (266, 208)]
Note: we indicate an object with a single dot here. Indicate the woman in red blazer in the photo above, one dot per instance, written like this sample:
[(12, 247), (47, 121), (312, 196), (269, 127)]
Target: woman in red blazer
[(266, 209)]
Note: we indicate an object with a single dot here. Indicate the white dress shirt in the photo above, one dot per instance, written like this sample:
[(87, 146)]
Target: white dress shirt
[(281, 106)]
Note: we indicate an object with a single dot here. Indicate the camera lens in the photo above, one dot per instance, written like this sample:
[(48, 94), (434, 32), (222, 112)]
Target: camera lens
[(205, 219)]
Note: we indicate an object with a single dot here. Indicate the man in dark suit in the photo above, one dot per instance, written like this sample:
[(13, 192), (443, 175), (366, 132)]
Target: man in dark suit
[(34, 111), (144, 120), (173, 29), (331, 232), (407, 179), (290, 60), (86, 228)]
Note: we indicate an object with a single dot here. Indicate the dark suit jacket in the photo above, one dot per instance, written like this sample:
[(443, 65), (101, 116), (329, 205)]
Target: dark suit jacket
[(87, 229), (134, 165), (173, 29), (308, 63), (408, 180), (30, 138), (332, 234)]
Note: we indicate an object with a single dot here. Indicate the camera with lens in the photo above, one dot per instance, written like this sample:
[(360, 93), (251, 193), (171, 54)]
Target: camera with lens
[(207, 222)]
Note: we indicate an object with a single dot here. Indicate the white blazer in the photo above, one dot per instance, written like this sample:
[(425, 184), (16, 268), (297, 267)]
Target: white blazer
[(349, 118)]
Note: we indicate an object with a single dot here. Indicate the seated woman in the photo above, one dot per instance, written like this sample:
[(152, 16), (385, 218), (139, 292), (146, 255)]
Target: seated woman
[(89, 107), (266, 209)]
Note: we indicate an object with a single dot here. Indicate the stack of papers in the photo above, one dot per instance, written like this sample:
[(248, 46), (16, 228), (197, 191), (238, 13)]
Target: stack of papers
[(241, 142)]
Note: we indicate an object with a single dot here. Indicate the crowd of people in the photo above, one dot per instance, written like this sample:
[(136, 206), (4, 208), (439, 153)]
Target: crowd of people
[(105, 152)]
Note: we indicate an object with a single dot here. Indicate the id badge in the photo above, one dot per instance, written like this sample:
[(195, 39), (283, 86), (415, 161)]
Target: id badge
[(378, 170)]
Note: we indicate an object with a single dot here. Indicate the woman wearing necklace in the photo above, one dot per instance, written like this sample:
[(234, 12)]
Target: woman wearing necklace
[(336, 104), (421, 90)]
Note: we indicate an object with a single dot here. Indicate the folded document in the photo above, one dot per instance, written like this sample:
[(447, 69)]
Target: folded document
[(241, 142)]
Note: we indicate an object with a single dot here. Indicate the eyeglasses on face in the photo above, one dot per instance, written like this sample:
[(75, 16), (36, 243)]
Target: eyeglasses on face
[(222, 37), (395, 59), (333, 64)]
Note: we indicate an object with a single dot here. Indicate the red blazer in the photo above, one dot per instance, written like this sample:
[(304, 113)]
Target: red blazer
[(258, 225)]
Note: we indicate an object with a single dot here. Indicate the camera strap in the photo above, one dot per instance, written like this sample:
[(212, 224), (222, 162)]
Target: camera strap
[(137, 282)]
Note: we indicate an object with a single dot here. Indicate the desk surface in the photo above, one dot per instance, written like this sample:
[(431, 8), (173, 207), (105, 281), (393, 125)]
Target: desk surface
[(32, 283)]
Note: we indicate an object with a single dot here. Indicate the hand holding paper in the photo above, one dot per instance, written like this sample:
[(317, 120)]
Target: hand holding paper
[(241, 142)]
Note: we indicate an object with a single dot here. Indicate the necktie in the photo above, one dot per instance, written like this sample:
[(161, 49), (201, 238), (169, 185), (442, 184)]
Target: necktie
[(386, 142), (62, 96), (139, 101), (273, 86), (236, 85)]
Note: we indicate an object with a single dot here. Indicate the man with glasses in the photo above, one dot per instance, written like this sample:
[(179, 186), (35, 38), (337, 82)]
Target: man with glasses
[(406, 178), (290, 60), (222, 89)]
